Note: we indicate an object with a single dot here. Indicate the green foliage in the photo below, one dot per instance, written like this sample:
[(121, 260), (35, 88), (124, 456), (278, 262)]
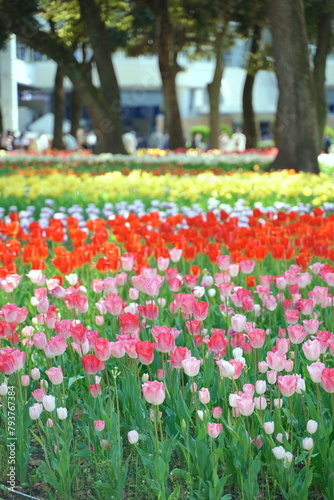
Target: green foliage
[(204, 130), (328, 130), (223, 127)]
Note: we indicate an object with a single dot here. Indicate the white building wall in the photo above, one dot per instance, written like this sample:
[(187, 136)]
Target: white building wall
[(8, 86), (141, 74)]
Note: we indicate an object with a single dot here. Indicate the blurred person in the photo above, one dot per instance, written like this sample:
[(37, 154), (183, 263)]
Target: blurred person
[(196, 140), (326, 142), (7, 141), (90, 141), (239, 141), (21, 142), (130, 142), (223, 141), (156, 139), (42, 142), (69, 142)]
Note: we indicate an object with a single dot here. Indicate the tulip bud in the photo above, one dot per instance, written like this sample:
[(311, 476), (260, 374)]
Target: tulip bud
[(308, 443), (279, 452), (49, 423), (98, 425), (62, 413), (200, 414), (204, 396), (35, 374), (133, 437), (312, 426), (49, 403), (262, 367), (260, 386), (269, 427), (3, 389), (217, 412), (25, 380)]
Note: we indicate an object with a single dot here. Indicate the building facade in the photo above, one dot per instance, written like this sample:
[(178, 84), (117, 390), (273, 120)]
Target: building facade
[(27, 82)]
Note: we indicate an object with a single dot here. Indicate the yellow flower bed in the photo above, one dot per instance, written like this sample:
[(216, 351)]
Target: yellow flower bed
[(115, 185)]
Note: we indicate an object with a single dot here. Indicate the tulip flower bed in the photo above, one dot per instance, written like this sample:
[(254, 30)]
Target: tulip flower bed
[(283, 186), (167, 354)]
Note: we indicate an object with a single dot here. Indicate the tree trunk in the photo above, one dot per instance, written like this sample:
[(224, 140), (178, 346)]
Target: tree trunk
[(59, 108), (214, 90), (168, 70), (250, 128), (324, 32), (75, 112), (102, 115), (298, 127), (100, 43)]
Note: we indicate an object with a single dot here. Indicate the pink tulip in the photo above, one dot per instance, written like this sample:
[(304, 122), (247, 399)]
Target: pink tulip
[(178, 355), (283, 344), (276, 360), (133, 437), (162, 263), (99, 425), (102, 349), (260, 403), (165, 342), (289, 365), (35, 374), (223, 262), (315, 370), (55, 375), (320, 294), (324, 338), (296, 334), (249, 389), (217, 412), (214, 429), (154, 392), (287, 384), (25, 380), (175, 254), (256, 337), (311, 325), (55, 346), (200, 310), (311, 349), (95, 390), (327, 379), (226, 369), (35, 411), (117, 349), (262, 366), (271, 377), (92, 364), (38, 394), (204, 396), (238, 322), (306, 306), (245, 404), (191, 366), (128, 261), (247, 266)]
